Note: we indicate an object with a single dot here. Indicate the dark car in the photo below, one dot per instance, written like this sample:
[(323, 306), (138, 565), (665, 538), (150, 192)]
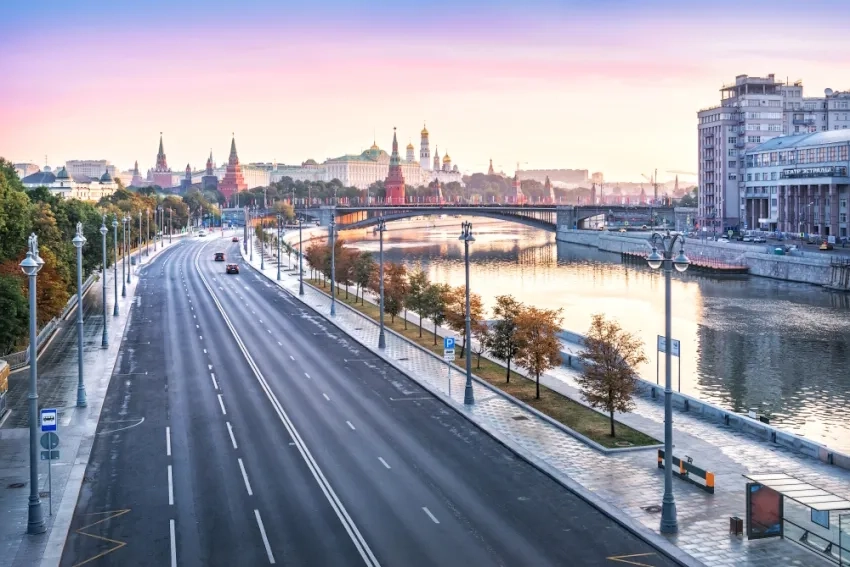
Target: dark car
[(234, 239), (219, 256), (232, 269)]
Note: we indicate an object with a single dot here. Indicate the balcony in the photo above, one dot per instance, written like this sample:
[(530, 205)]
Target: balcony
[(803, 121), (740, 144)]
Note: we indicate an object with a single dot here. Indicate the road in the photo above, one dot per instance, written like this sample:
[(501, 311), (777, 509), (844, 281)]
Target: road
[(241, 428)]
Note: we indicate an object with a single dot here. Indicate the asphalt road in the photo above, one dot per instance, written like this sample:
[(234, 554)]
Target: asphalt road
[(269, 437)]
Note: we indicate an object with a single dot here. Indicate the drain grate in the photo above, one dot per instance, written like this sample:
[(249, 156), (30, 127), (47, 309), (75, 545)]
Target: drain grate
[(17, 485), (88, 479), (403, 359), (44, 494), (519, 418), (654, 509)]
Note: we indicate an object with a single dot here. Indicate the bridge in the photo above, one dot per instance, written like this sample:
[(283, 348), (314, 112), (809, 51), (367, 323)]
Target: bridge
[(544, 217)]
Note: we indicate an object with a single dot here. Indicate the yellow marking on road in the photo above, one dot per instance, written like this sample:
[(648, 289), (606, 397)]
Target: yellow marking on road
[(118, 544), (626, 559)]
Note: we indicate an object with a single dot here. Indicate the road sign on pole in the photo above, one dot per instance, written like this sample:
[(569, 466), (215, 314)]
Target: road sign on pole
[(49, 440), (449, 349), (48, 419), (662, 345)]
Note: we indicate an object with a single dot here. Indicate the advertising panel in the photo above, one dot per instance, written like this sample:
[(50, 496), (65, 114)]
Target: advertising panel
[(764, 512)]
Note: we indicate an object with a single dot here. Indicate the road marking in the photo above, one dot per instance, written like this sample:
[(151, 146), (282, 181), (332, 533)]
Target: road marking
[(254, 312), (167, 441), (263, 534), (270, 331), (292, 357), (430, 515), (215, 384), (202, 337), (194, 316), (232, 438), (245, 477), (345, 519), (205, 351), (170, 487), (307, 375), (383, 462), (197, 327), (326, 396), (625, 559), (261, 321), (221, 403), (118, 544), (279, 343), (173, 543), (209, 366), (349, 425)]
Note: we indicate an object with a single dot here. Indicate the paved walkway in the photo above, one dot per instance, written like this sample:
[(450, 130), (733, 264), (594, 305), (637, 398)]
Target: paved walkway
[(57, 387), (629, 481)]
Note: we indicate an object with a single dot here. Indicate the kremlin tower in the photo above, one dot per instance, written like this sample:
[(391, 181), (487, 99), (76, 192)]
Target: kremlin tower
[(161, 173), (490, 169), (518, 196), (395, 179), (424, 150), (439, 196), (233, 182), (187, 179), (548, 191), (137, 180), (437, 158), (209, 180)]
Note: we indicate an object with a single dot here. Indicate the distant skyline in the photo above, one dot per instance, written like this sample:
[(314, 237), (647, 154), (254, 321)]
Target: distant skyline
[(608, 85)]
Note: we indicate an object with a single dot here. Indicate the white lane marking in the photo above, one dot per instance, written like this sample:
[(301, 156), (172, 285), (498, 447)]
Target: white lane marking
[(279, 343), (215, 384), (232, 438), (326, 396), (167, 441), (307, 375), (263, 534), (383, 462), (344, 517), (261, 321), (270, 331), (349, 425), (292, 357), (254, 312), (209, 366), (245, 478), (202, 337), (170, 487), (173, 543), (221, 403), (205, 351), (197, 326), (194, 316), (430, 515)]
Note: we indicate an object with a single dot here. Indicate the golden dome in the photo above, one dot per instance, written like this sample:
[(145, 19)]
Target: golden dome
[(410, 146), (374, 146), (424, 130), (447, 159)]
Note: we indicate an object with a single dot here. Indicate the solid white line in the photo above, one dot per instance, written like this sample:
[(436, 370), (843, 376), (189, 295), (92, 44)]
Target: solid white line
[(205, 351), (173, 543), (167, 441), (307, 375), (245, 478), (430, 515), (383, 462), (292, 357), (349, 425), (326, 396), (279, 343), (270, 331), (232, 438), (215, 384), (170, 487), (221, 403), (263, 534)]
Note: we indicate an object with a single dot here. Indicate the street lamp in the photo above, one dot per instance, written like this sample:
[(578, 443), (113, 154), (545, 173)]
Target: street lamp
[(140, 237), (382, 226), (667, 242), (278, 247), (104, 342), (466, 236), (263, 244), (333, 262), (148, 223), (31, 265), (115, 264), (170, 224), (127, 232), (251, 237), (79, 240), (245, 231), (300, 263)]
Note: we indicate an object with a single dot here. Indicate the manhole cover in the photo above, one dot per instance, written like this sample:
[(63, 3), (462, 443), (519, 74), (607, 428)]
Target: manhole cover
[(623, 444), (17, 485), (654, 509), (88, 479), (519, 418)]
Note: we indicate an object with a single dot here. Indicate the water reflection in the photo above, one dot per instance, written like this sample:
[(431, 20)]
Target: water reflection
[(748, 343)]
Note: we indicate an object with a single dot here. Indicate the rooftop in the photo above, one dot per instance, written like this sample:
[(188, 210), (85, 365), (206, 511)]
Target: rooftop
[(803, 141)]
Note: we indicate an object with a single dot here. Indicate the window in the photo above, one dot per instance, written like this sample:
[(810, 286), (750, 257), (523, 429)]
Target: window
[(749, 177), (732, 177), (758, 176), (842, 152), (773, 176), (754, 139), (832, 154), (733, 163), (732, 139), (731, 153)]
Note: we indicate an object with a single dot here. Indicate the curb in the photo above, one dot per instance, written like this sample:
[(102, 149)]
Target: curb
[(640, 531)]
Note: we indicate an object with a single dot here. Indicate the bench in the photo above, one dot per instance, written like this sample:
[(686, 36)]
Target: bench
[(689, 472)]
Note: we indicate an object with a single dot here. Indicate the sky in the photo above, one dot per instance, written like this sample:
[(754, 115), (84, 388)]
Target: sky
[(604, 85)]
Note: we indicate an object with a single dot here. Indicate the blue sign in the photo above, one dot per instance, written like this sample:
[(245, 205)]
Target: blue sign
[(449, 343), (48, 419)]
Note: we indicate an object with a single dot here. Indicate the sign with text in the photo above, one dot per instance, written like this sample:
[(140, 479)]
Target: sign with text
[(806, 172), (49, 420), (662, 346)]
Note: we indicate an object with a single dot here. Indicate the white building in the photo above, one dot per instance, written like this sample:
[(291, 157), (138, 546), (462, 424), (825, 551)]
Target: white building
[(90, 168), (799, 184), (307, 171), (24, 169), (67, 186)]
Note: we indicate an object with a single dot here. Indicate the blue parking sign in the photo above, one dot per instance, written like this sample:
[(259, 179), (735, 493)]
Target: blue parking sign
[(449, 343)]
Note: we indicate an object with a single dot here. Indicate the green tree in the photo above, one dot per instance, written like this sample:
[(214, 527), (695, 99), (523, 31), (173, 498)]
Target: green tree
[(503, 342), (395, 287), (540, 348), (415, 300), (435, 300), (285, 210), (364, 272), (608, 377), (456, 312), (15, 310)]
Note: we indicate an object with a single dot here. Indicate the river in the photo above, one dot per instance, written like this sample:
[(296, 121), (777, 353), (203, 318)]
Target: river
[(778, 348)]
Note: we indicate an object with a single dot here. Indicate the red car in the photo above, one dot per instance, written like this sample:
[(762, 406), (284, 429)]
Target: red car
[(219, 256), (234, 239), (232, 269)]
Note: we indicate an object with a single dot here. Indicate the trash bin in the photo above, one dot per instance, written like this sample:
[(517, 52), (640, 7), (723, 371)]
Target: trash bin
[(736, 525)]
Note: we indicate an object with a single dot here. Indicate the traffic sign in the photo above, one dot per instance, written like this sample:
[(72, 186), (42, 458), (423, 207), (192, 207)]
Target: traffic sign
[(49, 440), (449, 355), (48, 419), (449, 343), (662, 345), (49, 456)]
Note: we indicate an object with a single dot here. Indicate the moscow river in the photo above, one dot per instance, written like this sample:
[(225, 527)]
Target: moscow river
[(778, 348)]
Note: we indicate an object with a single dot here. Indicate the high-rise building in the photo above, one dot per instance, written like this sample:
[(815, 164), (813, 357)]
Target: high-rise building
[(233, 182), (394, 183)]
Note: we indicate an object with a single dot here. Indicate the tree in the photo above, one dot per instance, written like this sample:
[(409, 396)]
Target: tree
[(318, 256), (540, 348), (481, 334), (15, 310), (418, 282), (456, 312), (364, 272), (503, 342), (285, 210), (345, 267), (608, 378), (434, 304), (395, 288)]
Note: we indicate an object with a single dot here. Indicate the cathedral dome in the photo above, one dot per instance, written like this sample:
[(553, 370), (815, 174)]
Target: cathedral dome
[(424, 130), (409, 146), (106, 178), (447, 159), (374, 147), (63, 174)]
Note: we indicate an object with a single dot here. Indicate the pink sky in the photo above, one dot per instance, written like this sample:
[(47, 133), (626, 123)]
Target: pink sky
[(580, 91)]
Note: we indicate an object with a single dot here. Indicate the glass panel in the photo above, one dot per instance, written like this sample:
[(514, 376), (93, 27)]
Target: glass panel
[(844, 538)]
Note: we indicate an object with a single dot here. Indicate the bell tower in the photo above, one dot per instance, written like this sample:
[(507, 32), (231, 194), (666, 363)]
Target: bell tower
[(424, 150)]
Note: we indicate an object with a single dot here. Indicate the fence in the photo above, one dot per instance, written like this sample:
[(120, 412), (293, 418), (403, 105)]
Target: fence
[(20, 359)]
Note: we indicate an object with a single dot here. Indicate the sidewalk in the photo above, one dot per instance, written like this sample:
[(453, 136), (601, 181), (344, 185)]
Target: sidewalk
[(57, 387), (629, 482)]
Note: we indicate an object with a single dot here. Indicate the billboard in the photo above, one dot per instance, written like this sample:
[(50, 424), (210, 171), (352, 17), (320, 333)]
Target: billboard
[(764, 512)]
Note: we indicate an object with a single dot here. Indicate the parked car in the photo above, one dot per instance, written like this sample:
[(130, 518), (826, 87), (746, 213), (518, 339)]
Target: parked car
[(825, 245), (219, 256), (232, 269), (234, 239), (759, 239), (202, 233)]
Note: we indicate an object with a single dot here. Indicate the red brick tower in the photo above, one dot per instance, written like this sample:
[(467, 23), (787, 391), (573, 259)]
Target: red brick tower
[(395, 178), (233, 182), (162, 173)]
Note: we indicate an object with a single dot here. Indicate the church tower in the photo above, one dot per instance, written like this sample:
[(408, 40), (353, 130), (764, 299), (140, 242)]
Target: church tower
[(187, 179), (161, 173), (437, 158), (209, 180), (424, 150), (519, 196), (233, 182), (137, 180), (490, 169), (447, 162), (395, 178), (410, 154)]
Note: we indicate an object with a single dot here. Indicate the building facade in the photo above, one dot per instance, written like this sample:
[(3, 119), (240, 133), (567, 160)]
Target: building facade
[(25, 169), (799, 184), (394, 183), (66, 186), (93, 168)]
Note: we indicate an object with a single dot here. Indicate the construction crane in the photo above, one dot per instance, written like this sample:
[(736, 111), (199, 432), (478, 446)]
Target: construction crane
[(654, 181)]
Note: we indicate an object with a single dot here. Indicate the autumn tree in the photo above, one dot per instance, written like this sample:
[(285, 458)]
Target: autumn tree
[(503, 342), (456, 312), (608, 376), (395, 288), (285, 210), (317, 255), (539, 346), (481, 333), (417, 284), (345, 263), (364, 272), (434, 304)]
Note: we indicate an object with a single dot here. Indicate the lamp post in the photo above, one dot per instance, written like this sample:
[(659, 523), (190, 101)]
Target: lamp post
[(31, 265), (300, 263), (148, 223), (104, 342), (157, 219), (79, 240), (123, 256), (278, 247), (115, 264), (245, 231), (466, 236), (382, 226), (263, 244), (333, 264), (170, 224), (128, 231), (140, 237), (667, 242), (251, 236)]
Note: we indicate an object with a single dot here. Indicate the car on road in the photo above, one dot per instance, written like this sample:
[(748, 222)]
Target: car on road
[(623, 230), (219, 256), (232, 269), (759, 239), (825, 245), (202, 233), (235, 239)]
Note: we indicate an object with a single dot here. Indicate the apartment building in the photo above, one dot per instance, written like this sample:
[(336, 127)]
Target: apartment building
[(90, 168)]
